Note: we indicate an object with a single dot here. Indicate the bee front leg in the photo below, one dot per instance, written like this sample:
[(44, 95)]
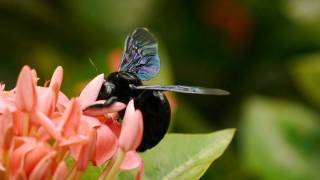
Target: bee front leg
[(106, 104)]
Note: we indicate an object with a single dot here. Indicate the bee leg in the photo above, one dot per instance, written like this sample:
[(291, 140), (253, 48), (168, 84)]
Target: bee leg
[(106, 104)]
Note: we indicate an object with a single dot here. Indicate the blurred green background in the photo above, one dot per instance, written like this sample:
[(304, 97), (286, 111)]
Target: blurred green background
[(265, 52)]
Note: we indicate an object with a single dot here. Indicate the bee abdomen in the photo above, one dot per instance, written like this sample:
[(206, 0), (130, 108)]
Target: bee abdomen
[(156, 113)]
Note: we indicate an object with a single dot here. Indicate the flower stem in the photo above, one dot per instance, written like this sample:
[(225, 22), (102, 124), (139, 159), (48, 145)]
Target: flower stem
[(78, 175), (73, 172), (115, 164), (107, 168)]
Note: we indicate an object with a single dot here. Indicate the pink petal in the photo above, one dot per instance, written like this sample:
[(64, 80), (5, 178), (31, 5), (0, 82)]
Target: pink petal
[(55, 90), (71, 118), (87, 151), (61, 171), (140, 130), (47, 100), (33, 119), (75, 150), (73, 140), (20, 175), (115, 107), (18, 117), (106, 145), (132, 128), (43, 135), (90, 93), (34, 76), (2, 168), (62, 101), (6, 131), (130, 161), (57, 77), (34, 156), (17, 158), (133, 160), (20, 140), (26, 97), (7, 104), (84, 126), (89, 122), (48, 125), (42, 167), (115, 127)]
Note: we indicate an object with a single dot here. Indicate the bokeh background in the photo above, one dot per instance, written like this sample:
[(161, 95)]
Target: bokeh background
[(265, 52)]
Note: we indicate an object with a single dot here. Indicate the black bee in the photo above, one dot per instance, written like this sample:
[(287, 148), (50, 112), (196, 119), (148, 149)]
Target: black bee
[(141, 62)]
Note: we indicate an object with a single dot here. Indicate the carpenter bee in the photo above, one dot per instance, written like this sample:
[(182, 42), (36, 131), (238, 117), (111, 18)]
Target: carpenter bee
[(141, 62)]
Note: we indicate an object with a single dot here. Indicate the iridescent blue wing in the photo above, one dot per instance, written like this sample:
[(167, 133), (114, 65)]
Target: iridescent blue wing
[(183, 89), (140, 54)]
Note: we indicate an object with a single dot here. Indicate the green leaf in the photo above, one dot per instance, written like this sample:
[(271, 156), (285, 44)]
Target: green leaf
[(280, 140), (183, 156)]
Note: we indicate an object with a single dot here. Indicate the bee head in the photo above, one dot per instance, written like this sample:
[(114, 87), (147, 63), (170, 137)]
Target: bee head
[(118, 84)]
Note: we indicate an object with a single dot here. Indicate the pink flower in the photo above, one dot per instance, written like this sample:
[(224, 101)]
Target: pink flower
[(130, 139), (90, 93), (40, 128), (88, 140), (131, 161), (132, 128), (26, 97), (29, 158)]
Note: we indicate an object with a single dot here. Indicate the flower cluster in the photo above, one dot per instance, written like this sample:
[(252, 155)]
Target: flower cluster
[(45, 135)]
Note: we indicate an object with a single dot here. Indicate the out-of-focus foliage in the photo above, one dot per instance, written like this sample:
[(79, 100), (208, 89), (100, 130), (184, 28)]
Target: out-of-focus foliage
[(305, 13), (306, 73), (279, 137), (251, 47)]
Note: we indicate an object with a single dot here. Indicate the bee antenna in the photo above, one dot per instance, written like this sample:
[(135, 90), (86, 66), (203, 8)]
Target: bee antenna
[(93, 65)]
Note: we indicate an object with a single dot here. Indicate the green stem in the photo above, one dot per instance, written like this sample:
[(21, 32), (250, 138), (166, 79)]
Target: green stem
[(107, 168), (115, 166), (73, 172)]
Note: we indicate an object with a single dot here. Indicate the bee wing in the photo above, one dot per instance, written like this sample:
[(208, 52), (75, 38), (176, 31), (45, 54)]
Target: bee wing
[(140, 54), (183, 89)]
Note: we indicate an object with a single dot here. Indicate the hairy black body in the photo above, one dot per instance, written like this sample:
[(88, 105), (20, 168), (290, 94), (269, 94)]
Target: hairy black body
[(154, 105)]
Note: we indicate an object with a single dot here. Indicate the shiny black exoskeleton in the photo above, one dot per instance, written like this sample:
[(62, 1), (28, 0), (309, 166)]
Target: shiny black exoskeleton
[(154, 105)]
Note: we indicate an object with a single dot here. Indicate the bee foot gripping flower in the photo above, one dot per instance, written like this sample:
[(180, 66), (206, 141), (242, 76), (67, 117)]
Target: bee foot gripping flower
[(40, 129)]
